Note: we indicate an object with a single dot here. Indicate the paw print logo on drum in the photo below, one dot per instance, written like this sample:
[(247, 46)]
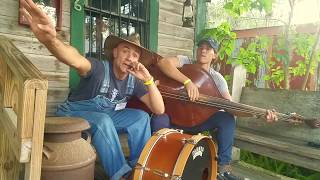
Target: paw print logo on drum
[(198, 151)]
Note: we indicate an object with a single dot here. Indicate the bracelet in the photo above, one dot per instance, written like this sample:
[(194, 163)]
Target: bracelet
[(149, 82), (186, 81)]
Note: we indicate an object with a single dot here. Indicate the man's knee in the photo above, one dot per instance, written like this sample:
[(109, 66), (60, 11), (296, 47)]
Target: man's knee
[(160, 121), (101, 120), (141, 116), (226, 120)]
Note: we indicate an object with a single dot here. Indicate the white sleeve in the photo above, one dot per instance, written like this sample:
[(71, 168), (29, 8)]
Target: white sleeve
[(183, 60), (221, 83)]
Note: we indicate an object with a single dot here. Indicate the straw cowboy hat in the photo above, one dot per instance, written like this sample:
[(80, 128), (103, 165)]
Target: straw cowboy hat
[(146, 57)]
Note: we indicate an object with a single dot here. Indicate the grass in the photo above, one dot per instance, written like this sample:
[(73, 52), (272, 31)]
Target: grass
[(279, 167)]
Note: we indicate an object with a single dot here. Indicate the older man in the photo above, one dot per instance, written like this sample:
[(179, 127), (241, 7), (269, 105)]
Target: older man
[(104, 90)]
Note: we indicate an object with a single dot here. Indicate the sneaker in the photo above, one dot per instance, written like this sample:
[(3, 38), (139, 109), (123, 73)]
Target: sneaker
[(224, 173)]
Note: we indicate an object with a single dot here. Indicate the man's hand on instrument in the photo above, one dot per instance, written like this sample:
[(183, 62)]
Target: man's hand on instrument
[(271, 116), (192, 90), (40, 23)]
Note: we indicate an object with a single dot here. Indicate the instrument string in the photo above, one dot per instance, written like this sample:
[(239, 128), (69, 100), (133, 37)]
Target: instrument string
[(227, 105)]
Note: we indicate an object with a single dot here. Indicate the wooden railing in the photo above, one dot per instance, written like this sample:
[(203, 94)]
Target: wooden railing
[(23, 95)]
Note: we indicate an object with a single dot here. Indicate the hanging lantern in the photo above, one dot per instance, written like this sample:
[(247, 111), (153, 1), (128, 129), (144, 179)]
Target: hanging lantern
[(187, 16)]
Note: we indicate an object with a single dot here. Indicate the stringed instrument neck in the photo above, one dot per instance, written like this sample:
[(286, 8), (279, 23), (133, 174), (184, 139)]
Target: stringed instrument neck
[(235, 108)]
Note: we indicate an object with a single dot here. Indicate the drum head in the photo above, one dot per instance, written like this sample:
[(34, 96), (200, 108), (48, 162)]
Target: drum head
[(199, 162)]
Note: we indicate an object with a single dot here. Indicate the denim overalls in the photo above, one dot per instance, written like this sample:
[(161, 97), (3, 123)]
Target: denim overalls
[(106, 123)]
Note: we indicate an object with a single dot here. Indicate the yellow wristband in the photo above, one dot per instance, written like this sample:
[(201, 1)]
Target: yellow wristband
[(186, 81), (149, 82)]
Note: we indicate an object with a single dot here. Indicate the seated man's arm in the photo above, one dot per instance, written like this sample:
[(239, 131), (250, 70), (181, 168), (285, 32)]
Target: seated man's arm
[(153, 100), (169, 67)]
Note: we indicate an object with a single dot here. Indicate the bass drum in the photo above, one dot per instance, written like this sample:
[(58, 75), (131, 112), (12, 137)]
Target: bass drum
[(170, 154)]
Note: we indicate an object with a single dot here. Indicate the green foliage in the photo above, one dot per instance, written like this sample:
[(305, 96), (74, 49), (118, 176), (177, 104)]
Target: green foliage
[(279, 167), (224, 36), (302, 45), (228, 78), (251, 57), (237, 7), (276, 75)]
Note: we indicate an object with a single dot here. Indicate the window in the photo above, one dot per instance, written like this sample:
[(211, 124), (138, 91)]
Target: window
[(117, 17)]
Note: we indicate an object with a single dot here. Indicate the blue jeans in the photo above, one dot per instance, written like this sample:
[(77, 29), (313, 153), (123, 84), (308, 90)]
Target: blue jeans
[(222, 121), (105, 126)]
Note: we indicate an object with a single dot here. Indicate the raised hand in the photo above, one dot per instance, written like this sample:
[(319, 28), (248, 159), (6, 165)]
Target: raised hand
[(140, 72), (40, 23)]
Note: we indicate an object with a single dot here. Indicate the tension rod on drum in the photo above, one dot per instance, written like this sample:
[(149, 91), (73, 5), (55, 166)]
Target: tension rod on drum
[(190, 141), (158, 172)]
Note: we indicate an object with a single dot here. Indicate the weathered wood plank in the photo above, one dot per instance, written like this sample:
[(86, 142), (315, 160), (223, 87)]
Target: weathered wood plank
[(301, 102), (239, 81), (277, 149), (278, 143), (175, 42), (176, 31), (12, 87), (48, 63), (22, 146), (33, 168), (57, 80), (166, 51), (57, 94), (171, 6), (10, 168), (3, 72), (9, 8), (9, 124), (26, 113), (170, 18), (20, 66)]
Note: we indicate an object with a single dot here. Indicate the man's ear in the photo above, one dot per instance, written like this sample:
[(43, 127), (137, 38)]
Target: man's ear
[(214, 56)]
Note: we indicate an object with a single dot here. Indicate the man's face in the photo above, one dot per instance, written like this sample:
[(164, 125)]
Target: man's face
[(205, 53), (125, 55)]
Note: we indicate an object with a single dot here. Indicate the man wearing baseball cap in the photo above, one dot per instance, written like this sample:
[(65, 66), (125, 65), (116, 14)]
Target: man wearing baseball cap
[(104, 90), (223, 121)]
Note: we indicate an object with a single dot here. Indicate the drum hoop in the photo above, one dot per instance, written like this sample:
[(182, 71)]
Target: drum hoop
[(146, 152), (182, 159)]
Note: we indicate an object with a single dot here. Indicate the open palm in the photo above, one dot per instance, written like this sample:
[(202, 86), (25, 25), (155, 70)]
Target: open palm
[(39, 22)]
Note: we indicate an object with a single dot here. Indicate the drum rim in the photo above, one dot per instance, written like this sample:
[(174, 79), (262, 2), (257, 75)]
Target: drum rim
[(187, 148)]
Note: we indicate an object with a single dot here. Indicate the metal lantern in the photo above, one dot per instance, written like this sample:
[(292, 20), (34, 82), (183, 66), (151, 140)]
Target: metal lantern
[(187, 16)]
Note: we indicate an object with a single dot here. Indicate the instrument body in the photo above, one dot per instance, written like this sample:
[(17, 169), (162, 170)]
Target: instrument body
[(170, 154), (186, 113)]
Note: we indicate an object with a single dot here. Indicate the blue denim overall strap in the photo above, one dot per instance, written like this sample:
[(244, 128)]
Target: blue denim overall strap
[(106, 81)]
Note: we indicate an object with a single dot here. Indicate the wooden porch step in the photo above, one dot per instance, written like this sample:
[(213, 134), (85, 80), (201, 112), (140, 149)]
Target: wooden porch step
[(247, 171)]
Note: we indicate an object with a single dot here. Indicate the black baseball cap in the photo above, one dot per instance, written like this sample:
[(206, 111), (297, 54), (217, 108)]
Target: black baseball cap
[(214, 44)]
